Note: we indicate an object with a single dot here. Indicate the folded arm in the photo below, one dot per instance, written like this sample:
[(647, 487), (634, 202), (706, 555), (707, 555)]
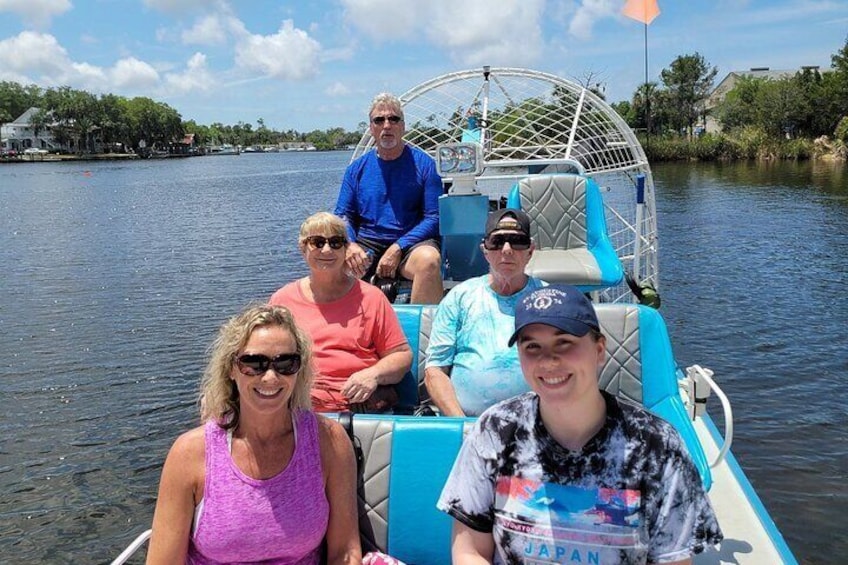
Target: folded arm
[(389, 370)]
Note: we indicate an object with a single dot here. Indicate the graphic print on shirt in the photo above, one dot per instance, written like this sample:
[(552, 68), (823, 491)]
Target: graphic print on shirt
[(561, 523)]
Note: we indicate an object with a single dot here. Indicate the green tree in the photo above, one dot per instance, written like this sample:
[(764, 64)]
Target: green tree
[(40, 121), (5, 116), (114, 123), (688, 80), (75, 111), (16, 99), (740, 106), (836, 85)]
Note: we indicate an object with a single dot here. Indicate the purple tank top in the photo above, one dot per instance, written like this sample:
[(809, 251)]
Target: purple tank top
[(280, 520)]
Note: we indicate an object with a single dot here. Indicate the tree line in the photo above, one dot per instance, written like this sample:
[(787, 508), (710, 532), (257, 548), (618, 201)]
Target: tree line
[(84, 121), (808, 105)]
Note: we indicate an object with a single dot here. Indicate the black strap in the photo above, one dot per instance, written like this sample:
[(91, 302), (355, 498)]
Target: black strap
[(366, 531)]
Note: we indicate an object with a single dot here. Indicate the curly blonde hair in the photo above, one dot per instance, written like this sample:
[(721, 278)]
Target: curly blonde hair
[(219, 396)]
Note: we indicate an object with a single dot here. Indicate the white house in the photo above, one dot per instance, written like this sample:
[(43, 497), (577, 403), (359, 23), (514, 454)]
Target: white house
[(20, 135), (729, 82)]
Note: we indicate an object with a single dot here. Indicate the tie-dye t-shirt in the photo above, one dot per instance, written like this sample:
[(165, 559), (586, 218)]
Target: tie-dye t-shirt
[(470, 334), (631, 495)]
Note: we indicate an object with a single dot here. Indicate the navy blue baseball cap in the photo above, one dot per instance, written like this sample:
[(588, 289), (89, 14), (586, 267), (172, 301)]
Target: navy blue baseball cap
[(559, 305)]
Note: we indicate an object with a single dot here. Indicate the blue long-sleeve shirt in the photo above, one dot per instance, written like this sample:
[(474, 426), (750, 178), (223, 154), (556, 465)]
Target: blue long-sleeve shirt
[(391, 201)]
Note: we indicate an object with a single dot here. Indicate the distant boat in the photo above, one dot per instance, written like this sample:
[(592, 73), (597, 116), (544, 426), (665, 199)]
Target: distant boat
[(224, 149)]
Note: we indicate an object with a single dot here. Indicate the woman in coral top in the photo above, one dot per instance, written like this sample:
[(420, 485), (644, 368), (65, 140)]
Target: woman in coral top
[(264, 478), (358, 342)]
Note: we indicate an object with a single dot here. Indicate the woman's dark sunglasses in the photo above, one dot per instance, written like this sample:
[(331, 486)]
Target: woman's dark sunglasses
[(319, 241), (254, 365), (517, 241), (380, 120)]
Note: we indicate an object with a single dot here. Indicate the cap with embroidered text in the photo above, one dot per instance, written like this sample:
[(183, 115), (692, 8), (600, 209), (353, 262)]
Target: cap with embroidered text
[(559, 305)]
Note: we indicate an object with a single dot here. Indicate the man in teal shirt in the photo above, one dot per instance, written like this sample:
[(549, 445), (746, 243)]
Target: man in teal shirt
[(469, 366)]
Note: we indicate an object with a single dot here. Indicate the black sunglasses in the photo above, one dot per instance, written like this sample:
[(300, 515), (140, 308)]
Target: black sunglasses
[(380, 120), (517, 241), (319, 241), (253, 365)]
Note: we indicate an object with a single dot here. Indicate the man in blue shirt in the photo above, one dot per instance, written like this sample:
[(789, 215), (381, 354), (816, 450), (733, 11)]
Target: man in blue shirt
[(390, 200)]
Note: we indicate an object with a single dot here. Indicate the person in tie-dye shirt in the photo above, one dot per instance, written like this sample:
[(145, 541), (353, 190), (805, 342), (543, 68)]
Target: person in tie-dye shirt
[(567, 473), (469, 366)]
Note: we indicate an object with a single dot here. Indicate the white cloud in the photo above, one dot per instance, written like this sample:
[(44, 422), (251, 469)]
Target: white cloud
[(388, 19), (337, 89), (33, 57), (471, 31), (288, 54), (132, 74), (589, 12), (36, 56), (85, 75), (181, 6), (510, 35), (196, 77), (37, 13), (208, 30), (213, 29)]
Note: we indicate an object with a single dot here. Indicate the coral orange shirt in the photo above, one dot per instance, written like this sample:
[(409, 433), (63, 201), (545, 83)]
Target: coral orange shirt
[(348, 335)]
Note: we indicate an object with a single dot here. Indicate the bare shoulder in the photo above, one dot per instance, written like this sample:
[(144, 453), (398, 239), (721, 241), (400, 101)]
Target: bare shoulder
[(189, 449), (331, 432), (333, 439)]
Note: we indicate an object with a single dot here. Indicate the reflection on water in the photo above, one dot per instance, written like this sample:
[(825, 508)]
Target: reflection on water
[(754, 279), (115, 277)]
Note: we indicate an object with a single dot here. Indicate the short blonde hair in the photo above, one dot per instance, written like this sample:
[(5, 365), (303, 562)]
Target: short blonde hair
[(324, 222), (386, 99), (218, 392)]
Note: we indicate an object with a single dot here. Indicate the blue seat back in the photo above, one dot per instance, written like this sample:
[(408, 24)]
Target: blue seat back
[(408, 460), (416, 321), (641, 367)]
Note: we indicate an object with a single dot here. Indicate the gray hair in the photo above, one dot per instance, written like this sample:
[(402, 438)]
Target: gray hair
[(386, 99)]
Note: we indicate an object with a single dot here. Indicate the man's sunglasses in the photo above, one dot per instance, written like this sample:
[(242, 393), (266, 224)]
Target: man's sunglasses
[(319, 241), (380, 120), (517, 241), (254, 365)]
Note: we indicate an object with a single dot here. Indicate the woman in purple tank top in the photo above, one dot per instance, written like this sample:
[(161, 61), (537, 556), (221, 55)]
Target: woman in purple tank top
[(264, 479)]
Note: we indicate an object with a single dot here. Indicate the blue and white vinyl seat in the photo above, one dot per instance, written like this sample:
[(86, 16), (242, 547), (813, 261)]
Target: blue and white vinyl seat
[(567, 223), (407, 459), (416, 321)]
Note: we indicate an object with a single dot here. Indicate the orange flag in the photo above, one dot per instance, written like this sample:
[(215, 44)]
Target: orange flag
[(641, 10)]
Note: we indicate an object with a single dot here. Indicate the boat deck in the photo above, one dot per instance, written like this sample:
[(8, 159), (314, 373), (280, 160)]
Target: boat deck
[(750, 536)]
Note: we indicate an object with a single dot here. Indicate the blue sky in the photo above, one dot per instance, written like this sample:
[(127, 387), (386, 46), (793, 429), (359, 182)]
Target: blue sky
[(315, 64)]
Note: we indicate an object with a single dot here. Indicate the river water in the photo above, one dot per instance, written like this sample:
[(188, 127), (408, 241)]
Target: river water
[(115, 276)]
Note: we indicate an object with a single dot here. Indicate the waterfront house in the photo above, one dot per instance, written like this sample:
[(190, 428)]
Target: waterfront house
[(20, 135), (729, 82)]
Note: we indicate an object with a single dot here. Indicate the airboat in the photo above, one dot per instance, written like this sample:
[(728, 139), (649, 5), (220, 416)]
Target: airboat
[(522, 138)]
